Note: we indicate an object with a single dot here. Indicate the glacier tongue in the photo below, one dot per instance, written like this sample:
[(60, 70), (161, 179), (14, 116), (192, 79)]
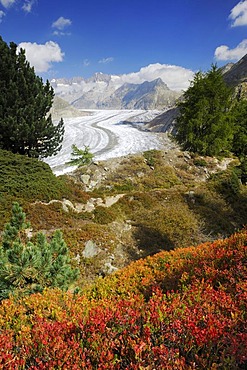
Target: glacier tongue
[(108, 133)]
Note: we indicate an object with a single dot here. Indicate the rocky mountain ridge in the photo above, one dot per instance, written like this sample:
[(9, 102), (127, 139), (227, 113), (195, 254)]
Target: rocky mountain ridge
[(237, 73)]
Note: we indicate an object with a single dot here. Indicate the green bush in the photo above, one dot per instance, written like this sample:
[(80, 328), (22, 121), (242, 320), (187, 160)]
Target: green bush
[(152, 157), (243, 169), (27, 180)]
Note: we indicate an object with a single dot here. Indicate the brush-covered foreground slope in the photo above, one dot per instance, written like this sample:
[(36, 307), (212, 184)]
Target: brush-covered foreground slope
[(116, 211), (184, 309)]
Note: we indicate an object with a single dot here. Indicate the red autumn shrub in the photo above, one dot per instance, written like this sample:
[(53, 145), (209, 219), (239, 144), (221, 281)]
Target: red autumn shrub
[(179, 310)]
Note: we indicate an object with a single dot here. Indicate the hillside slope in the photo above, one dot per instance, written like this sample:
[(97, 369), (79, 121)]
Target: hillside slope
[(61, 108), (116, 211)]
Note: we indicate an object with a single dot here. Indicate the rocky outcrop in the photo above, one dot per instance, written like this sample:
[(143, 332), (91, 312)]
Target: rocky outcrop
[(164, 122)]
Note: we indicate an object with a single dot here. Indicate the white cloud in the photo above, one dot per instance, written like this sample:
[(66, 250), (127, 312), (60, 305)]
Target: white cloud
[(41, 56), (60, 33), (223, 52), (61, 23), (7, 3), (2, 14), (28, 4), (238, 14), (106, 60), (86, 62), (176, 78)]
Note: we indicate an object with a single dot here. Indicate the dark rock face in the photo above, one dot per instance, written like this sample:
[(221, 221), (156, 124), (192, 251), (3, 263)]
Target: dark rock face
[(165, 122), (237, 73)]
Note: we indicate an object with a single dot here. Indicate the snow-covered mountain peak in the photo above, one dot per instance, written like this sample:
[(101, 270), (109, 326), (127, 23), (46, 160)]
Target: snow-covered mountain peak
[(100, 77)]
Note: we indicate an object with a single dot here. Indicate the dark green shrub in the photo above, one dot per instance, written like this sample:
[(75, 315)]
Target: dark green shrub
[(29, 178), (200, 162), (152, 157), (227, 182), (243, 170)]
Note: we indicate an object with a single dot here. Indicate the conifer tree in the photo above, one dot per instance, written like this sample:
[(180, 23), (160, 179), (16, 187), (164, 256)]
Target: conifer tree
[(27, 267), (205, 125), (239, 146), (80, 157), (25, 123)]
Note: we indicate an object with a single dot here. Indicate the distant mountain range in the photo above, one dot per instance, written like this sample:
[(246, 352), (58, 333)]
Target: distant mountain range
[(103, 91)]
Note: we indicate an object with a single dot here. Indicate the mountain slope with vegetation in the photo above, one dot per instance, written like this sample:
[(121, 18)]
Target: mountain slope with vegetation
[(27, 180)]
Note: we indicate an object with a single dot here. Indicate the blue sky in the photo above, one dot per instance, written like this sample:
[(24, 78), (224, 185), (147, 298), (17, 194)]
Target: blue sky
[(69, 38)]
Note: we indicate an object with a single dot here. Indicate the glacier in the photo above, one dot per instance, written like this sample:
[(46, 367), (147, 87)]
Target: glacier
[(108, 134)]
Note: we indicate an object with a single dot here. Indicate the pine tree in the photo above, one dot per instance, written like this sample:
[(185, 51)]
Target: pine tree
[(204, 124), (25, 123), (80, 157), (27, 267)]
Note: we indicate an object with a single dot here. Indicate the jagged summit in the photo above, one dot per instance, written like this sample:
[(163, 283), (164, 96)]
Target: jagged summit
[(100, 77)]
